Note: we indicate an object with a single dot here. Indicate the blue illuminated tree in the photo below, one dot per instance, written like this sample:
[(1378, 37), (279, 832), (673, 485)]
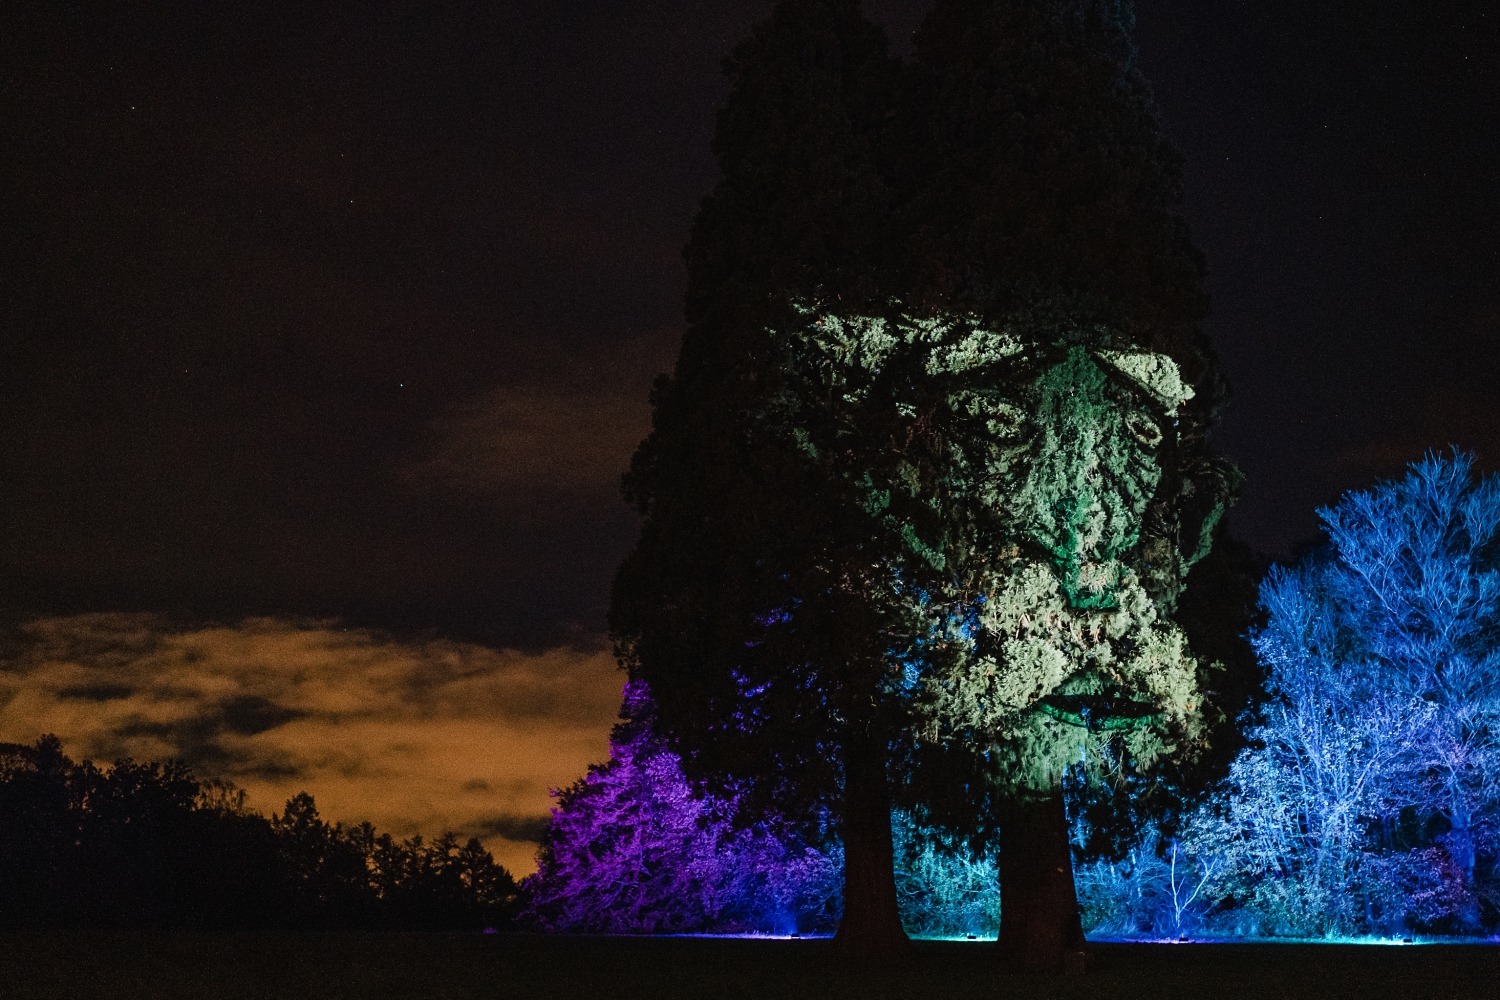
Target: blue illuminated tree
[(1372, 802)]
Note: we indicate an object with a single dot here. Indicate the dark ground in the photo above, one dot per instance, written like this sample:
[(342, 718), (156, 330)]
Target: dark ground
[(168, 966)]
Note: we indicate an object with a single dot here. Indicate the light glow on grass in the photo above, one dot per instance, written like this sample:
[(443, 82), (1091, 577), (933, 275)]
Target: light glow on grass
[(747, 936), (1344, 941), (1365, 941)]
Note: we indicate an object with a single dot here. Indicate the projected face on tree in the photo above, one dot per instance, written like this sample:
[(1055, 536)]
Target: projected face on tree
[(1070, 652), (1042, 463)]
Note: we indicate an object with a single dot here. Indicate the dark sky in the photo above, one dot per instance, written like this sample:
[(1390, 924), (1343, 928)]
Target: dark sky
[(347, 319)]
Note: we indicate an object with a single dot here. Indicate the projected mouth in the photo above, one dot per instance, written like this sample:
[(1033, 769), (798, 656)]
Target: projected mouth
[(1109, 709)]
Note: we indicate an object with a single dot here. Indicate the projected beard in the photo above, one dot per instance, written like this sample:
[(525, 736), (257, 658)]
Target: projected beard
[(1069, 654)]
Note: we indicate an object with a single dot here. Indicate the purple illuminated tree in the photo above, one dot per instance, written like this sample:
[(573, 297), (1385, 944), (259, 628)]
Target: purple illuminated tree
[(633, 848)]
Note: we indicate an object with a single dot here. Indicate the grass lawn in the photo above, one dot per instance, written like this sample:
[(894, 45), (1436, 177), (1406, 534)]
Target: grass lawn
[(169, 966)]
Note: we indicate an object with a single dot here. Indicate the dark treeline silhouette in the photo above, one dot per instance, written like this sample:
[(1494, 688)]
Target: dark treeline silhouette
[(151, 845)]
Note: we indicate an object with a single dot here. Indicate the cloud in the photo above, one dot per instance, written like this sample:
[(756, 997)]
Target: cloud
[(515, 827), (569, 434), (533, 440), (414, 735)]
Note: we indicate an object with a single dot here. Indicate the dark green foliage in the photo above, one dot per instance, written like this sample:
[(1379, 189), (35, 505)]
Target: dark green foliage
[(800, 205), (1040, 200), (1089, 479), (932, 467), (150, 845), (842, 434), (758, 603), (1045, 185), (1042, 197)]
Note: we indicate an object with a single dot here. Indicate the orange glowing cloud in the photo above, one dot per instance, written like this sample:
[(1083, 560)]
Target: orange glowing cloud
[(416, 736)]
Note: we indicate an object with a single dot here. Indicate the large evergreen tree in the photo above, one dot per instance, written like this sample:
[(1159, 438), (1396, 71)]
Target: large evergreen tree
[(764, 599), (1044, 203), (935, 440)]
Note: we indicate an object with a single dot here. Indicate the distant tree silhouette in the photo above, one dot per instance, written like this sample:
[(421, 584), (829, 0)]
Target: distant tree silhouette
[(149, 845), (38, 831)]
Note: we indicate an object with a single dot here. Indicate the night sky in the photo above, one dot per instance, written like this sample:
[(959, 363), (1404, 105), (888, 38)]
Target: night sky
[(326, 338)]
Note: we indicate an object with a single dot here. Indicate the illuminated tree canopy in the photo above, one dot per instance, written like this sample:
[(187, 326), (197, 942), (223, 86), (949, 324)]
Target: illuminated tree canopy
[(633, 848), (762, 601), (1040, 476), (1068, 646), (1374, 805), (930, 470)]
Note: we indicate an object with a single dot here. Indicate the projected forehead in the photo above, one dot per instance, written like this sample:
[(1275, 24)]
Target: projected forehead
[(1157, 374), (962, 344)]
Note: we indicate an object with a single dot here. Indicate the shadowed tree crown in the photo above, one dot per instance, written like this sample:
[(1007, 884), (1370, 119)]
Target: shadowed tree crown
[(751, 603), (1048, 187), (935, 442), (800, 204), (1042, 202)]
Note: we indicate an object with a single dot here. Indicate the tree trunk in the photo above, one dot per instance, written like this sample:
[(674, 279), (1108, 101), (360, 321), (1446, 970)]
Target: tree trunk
[(871, 924), (1460, 844), (1040, 929)]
